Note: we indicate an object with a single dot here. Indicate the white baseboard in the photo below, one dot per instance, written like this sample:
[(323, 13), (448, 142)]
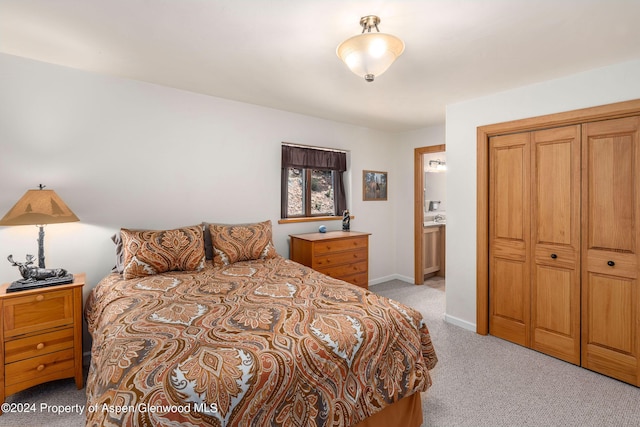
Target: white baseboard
[(404, 278), (459, 322), (447, 318), (390, 277)]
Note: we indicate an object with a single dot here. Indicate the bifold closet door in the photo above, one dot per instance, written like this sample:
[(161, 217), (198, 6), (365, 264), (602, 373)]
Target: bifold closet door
[(534, 246), (610, 248), (555, 237), (509, 237)]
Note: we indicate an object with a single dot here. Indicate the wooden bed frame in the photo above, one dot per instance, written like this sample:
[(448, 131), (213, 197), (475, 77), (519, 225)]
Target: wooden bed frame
[(407, 412)]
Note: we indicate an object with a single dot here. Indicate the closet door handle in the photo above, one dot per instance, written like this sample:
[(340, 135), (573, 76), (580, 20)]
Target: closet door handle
[(611, 263), (554, 256)]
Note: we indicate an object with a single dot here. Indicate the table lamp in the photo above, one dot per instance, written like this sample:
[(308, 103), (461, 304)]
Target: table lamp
[(39, 207)]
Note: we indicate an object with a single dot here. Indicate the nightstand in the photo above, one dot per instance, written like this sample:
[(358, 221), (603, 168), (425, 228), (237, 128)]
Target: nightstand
[(342, 255), (41, 336)]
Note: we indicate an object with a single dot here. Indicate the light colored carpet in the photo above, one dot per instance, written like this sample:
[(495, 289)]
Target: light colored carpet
[(479, 381), (485, 381)]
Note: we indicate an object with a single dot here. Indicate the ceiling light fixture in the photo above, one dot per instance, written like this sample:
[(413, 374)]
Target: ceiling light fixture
[(370, 54)]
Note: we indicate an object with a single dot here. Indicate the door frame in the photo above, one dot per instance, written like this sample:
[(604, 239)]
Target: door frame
[(418, 207), (602, 112)]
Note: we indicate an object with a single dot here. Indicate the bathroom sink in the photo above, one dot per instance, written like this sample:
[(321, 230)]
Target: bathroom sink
[(435, 219), (434, 223)]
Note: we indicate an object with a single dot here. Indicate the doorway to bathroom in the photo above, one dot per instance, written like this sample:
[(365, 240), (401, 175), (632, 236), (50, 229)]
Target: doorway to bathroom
[(430, 215)]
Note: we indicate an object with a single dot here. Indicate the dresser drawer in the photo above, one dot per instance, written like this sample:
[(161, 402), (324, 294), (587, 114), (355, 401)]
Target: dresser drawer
[(338, 258), (42, 366), (37, 311), (360, 279), (342, 255), (341, 271), (340, 245), (36, 345)]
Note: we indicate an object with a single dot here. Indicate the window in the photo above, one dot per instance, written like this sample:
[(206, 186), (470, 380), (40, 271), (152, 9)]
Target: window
[(312, 182), (310, 192)]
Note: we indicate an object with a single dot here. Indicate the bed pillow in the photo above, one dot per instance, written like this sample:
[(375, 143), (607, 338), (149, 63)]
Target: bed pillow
[(119, 267), (208, 246), (241, 242), (149, 252)]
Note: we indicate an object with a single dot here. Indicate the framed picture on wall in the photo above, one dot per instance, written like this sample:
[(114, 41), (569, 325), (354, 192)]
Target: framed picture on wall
[(374, 185)]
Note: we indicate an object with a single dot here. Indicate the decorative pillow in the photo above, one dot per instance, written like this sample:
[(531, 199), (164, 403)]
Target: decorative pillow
[(149, 252), (242, 242)]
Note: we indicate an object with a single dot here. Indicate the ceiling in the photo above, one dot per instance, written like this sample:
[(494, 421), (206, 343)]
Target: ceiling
[(281, 53)]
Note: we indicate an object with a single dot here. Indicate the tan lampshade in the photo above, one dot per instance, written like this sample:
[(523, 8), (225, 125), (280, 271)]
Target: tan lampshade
[(38, 207)]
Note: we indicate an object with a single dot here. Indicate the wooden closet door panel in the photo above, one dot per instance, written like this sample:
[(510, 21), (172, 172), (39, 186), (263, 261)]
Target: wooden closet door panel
[(610, 248), (509, 238), (555, 237)]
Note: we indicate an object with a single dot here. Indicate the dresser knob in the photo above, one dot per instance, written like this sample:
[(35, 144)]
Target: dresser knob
[(611, 263), (40, 368), (39, 298), (554, 256), (40, 346)]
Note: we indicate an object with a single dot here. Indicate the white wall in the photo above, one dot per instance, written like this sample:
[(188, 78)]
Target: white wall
[(596, 87), (123, 153), (404, 145)]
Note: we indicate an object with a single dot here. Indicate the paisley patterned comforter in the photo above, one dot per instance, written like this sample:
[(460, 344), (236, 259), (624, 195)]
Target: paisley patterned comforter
[(255, 343)]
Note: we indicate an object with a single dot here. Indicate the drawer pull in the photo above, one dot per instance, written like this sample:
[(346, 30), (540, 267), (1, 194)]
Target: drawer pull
[(40, 346), (554, 256), (40, 368), (40, 298), (611, 263)]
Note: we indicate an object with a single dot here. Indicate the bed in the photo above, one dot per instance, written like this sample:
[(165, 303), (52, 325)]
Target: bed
[(246, 338)]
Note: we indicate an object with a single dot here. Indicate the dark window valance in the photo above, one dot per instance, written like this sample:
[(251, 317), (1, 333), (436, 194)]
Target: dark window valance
[(310, 158)]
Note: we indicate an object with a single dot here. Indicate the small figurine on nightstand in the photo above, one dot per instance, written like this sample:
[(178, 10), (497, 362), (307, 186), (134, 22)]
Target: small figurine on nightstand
[(35, 277), (346, 219)]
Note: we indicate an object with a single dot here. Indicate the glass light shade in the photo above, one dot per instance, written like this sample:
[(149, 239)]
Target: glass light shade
[(370, 54)]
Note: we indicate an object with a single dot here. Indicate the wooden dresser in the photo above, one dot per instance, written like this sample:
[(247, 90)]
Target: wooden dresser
[(41, 336), (342, 255)]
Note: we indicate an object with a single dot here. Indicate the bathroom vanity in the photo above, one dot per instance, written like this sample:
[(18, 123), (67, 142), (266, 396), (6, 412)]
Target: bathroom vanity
[(433, 244)]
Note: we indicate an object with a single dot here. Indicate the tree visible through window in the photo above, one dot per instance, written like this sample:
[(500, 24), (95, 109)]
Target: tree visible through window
[(310, 192), (312, 182)]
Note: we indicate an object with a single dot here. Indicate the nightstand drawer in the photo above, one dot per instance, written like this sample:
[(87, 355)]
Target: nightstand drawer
[(25, 348), (37, 367), (37, 311), (341, 245), (40, 336), (341, 271), (328, 260)]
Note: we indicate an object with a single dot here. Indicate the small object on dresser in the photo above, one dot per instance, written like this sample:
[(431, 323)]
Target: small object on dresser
[(35, 277), (346, 219), (322, 229)]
